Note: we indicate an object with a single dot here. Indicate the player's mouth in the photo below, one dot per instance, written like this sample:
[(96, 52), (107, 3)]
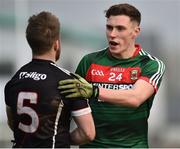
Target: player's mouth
[(113, 43)]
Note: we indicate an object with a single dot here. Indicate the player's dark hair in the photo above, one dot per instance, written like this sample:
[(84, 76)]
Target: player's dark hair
[(42, 31), (124, 9)]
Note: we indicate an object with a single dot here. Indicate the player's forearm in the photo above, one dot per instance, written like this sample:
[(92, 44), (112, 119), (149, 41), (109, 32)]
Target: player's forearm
[(133, 97), (78, 137), (121, 97)]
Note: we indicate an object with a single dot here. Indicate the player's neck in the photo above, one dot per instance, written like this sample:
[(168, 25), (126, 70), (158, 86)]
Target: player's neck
[(44, 57), (126, 53), (129, 52)]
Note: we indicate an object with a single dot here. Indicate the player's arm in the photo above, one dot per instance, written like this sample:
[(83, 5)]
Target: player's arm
[(134, 97), (85, 130), (9, 117)]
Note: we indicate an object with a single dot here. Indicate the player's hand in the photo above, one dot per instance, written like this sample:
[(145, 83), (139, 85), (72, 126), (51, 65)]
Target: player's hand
[(77, 87)]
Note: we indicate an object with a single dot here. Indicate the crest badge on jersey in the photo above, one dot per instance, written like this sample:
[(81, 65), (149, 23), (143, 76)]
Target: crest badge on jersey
[(134, 74)]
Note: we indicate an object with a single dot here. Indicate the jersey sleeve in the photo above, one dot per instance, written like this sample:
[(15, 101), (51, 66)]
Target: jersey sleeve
[(80, 107), (153, 72)]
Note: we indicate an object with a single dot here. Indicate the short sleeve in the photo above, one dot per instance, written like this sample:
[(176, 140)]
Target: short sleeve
[(80, 107), (152, 72)]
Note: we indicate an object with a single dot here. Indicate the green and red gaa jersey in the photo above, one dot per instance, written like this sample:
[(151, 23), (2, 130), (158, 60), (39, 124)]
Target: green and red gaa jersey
[(120, 126)]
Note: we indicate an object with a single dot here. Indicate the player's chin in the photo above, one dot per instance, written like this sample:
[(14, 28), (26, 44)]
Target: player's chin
[(114, 49)]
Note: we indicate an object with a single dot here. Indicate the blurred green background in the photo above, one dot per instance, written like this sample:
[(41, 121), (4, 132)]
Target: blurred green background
[(83, 31)]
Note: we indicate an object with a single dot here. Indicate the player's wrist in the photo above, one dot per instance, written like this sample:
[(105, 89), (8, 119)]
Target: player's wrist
[(95, 92)]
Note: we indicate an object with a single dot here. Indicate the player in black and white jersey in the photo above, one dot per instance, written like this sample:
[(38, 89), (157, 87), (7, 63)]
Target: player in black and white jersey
[(38, 115)]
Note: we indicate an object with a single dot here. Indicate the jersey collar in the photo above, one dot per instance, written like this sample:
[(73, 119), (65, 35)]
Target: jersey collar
[(41, 60), (136, 52)]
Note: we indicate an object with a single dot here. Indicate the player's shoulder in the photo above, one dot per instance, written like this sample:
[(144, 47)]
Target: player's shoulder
[(15, 75), (11, 81), (7, 85), (150, 57), (61, 71), (95, 55), (152, 61)]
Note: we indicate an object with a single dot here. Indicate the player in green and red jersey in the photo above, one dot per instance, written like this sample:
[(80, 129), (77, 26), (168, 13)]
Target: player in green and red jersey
[(122, 82)]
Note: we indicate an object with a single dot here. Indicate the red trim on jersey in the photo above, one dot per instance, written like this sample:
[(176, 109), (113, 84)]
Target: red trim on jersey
[(138, 48), (148, 80), (113, 74)]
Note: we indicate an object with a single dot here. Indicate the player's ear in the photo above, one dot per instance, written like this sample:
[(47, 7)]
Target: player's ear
[(136, 31), (57, 45)]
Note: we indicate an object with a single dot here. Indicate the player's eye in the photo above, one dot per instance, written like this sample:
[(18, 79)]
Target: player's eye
[(120, 28), (109, 27)]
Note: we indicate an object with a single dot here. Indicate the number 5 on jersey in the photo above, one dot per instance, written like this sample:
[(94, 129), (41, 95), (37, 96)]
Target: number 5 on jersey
[(22, 109)]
